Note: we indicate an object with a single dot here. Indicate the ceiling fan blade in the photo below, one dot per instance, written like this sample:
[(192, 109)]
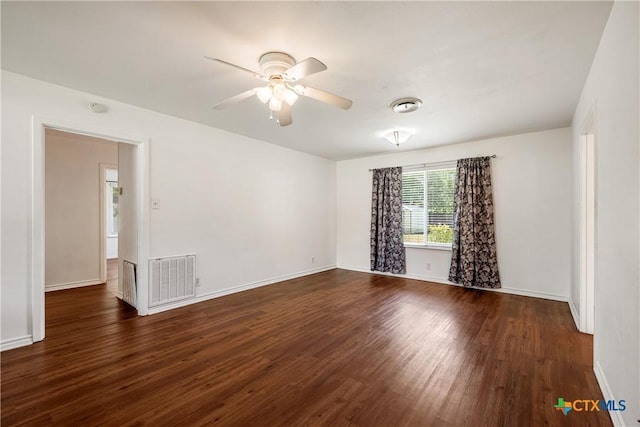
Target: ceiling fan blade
[(304, 68), (246, 70), (284, 115), (326, 97), (239, 97)]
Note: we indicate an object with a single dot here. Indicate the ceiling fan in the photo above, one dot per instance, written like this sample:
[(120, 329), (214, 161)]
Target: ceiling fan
[(281, 72)]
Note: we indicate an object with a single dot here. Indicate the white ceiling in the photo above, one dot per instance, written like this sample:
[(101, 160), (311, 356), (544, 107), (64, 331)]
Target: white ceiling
[(482, 68)]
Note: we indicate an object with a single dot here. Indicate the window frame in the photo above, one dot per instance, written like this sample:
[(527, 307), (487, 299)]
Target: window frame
[(426, 167)]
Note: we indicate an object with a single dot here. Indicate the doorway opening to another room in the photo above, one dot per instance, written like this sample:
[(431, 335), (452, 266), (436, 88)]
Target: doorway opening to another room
[(111, 192), (125, 216)]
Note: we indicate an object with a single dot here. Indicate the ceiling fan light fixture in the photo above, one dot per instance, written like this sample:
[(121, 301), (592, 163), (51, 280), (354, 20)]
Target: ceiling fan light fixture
[(264, 94), (275, 104), (281, 73), (290, 97), (397, 137), (279, 91)]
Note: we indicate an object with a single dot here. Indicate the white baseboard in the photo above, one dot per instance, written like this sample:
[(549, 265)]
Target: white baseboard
[(235, 289), (71, 285), (616, 416), (574, 314), (16, 342), (512, 291), (533, 294)]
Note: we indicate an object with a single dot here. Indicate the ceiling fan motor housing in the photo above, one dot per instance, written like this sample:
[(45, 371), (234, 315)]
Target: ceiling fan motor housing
[(275, 63)]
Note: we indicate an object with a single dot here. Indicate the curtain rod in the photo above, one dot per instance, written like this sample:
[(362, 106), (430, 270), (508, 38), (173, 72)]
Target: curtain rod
[(493, 156)]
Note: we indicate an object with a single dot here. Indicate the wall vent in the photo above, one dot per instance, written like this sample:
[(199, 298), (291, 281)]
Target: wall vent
[(129, 287), (172, 279)]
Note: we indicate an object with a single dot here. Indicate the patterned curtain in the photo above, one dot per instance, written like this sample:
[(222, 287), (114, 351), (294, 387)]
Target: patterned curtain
[(387, 249), (473, 258)]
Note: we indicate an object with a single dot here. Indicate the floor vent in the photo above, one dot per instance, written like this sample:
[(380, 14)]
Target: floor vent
[(129, 290), (172, 279)]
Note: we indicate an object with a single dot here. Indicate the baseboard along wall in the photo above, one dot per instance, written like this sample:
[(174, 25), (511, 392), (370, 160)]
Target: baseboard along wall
[(512, 291), (72, 285)]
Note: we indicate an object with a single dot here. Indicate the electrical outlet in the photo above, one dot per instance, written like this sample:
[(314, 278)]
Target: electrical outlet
[(313, 260), (197, 281), (428, 266)]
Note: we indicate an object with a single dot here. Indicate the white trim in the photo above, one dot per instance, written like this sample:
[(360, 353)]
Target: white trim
[(429, 246), (235, 289), (587, 235), (37, 288), (616, 416), (528, 293), (103, 220), (582, 229), (574, 314), (72, 285), (37, 230), (512, 291), (144, 219), (16, 342)]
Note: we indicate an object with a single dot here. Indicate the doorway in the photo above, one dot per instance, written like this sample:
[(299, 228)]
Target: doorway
[(111, 217), (82, 211), (587, 151), (135, 240), (74, 243)]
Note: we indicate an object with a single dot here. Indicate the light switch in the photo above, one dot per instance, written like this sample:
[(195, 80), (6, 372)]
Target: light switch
[(155, 204)]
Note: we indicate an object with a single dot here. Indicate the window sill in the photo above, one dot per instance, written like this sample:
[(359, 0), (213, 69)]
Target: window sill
[(436, 247)]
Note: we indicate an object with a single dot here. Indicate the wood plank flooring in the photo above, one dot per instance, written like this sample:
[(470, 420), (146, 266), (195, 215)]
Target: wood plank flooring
[(112, 276), (336, 348)]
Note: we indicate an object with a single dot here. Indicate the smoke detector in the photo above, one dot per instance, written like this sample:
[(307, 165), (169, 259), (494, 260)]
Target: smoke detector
[(405, 105), (97, 107)]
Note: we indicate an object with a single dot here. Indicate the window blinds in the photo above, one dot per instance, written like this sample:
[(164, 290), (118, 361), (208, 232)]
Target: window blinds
[(427, 204)]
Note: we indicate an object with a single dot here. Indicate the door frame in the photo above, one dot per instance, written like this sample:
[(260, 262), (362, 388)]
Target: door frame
[(38, 126), (587, 150), (103, 218)]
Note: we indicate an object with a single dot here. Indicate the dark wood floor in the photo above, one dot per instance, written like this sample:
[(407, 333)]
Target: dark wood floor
[(112, 276), (335, 348)]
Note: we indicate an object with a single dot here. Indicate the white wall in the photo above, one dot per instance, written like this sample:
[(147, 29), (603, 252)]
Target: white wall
[(72, 204), (130, 236), (532, 196), (251, 211), (612, 87), (112, 247)]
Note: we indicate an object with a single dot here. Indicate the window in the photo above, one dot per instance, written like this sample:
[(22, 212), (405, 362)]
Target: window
[(427, 204)]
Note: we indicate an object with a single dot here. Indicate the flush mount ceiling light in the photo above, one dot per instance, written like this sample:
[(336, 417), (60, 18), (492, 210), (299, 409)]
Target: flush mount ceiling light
[(397, 137), (281, 73), (405, 105)]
